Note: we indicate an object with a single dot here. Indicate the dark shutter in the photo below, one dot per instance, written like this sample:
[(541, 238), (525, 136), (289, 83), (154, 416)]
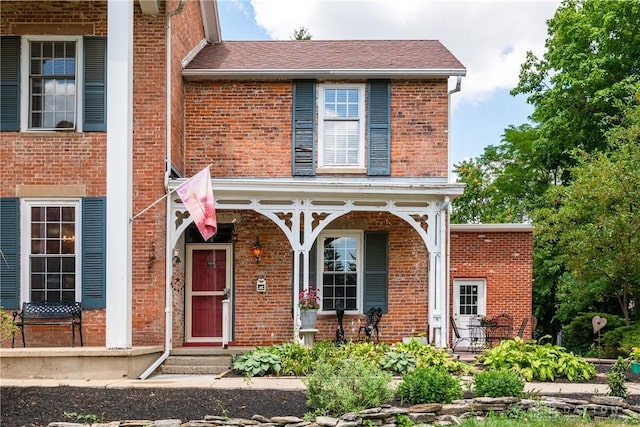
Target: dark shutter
[(94, 239), (376, 272), (304, 127), (378, 128), (10, 253), (95, 84), (9, 83)]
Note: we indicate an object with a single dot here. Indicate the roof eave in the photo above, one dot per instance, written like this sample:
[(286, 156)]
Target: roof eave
[(269, 74)]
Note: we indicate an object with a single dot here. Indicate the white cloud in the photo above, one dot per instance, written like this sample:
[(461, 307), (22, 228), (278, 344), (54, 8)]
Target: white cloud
[(490, 37)]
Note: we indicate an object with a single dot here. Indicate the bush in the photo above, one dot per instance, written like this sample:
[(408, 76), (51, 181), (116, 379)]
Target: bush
[(535, 361), (399, 361), (620, 341), (348, 385), (578, 335), (617, 377), (429, 385), (258, 363), (500, 383)]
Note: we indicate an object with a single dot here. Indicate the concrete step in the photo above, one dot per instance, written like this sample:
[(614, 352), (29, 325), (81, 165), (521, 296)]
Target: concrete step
[(212, 364)]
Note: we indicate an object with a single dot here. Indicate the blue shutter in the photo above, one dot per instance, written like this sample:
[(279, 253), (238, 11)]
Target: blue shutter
[(304, 127), (9, 83), (95, 84), (376, 270), (10, 256), (94, 239), (379, 128)]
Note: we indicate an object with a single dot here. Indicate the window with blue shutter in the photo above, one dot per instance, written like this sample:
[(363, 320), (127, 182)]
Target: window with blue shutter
[(94, 237), (9, 253), (376, 270), (9, 83), (304, 128), (378, 128), (95, 84)]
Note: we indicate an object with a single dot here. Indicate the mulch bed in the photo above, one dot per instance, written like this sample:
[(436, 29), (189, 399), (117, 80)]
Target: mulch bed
[(39, 406)]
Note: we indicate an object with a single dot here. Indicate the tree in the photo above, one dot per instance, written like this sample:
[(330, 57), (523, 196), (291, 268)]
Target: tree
[(301, 33), (586, 78), (595, 221)]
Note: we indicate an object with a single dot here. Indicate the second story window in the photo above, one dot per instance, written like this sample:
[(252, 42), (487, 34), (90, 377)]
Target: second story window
[(52, 84), (341, 126)]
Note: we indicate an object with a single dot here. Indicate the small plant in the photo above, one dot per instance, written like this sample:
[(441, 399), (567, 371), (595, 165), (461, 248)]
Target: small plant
[(635, 354), (399, 361), (498, 383), (403, 420), (85, 419), (308, 299), (7, 327), (258, 363), (429, 385), (616, 378), (348, 385)]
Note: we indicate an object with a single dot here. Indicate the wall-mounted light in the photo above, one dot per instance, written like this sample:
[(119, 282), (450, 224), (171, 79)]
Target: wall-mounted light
[(257, 249)]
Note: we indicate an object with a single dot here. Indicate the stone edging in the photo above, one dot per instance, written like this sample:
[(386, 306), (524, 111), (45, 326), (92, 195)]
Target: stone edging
[(597, 407)]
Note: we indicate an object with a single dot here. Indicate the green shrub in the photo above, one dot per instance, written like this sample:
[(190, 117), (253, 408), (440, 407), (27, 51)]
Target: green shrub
[(578, 335), (399, 361), (500, 383), (349, 385), (295, 358), (429, 385), (620, 341), (258, 363), (543, 362), (616, 378), (427, 355)]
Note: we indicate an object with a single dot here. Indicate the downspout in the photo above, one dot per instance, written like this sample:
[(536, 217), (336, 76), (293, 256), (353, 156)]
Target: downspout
[(447, 207), (167, 174)]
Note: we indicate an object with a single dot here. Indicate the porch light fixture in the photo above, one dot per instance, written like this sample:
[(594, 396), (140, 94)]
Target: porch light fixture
[(257, 250)]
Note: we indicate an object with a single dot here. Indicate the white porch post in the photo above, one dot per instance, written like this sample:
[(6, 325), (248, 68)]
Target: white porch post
[(119, 172)]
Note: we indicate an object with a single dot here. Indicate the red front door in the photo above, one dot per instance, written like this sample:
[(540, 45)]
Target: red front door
[(207, 277)]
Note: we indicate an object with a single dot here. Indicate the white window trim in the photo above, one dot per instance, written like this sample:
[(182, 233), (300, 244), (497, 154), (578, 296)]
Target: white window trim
[(322, 167), (25, 242), (25, 58), (359, 235)]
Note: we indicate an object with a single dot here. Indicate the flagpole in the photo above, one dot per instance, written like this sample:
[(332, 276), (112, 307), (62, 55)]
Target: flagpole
[(162, 198)]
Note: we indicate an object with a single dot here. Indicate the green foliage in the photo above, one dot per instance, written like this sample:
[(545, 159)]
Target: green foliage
[(399, 361), (349, 385), (620, 341), (429, 385), (635, 354), (7, 327), (258, 363), (497, 383), (85, 418), (403, 420), (617, 377), (296, 359), (537, 362), (578, 335), (301, 33), (427, 355), (367, 351)]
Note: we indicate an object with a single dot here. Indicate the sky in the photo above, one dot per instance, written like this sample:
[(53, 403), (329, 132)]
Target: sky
[(490, 37)]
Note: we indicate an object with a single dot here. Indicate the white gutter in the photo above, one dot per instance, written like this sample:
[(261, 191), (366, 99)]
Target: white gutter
[(447, 206), (288, 73), (168, 328)]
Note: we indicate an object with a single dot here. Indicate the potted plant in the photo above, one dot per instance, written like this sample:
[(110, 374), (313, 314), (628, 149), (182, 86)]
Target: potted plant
[(635, 360), (309, 303)]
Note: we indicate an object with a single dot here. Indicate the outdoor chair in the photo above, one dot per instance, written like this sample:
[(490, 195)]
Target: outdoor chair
[(523, 326), (503, 329), (373, 319), (473, 342)]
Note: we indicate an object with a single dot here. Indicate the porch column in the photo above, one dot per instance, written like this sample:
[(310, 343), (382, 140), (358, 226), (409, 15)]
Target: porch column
[(119, 173)]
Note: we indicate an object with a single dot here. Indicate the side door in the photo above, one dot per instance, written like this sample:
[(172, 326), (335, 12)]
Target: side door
[(469, 300)]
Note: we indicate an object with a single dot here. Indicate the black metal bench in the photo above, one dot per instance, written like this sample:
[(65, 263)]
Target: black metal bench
[(49, 313)]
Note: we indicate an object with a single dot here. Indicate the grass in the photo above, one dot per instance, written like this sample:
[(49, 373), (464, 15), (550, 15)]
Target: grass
[(536, 420)]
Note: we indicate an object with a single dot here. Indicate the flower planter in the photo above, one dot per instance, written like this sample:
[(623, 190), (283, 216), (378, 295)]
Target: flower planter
[(308, 318), (635, 367)]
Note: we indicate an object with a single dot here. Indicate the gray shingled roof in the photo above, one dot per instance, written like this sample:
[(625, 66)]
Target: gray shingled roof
[(324, 58)]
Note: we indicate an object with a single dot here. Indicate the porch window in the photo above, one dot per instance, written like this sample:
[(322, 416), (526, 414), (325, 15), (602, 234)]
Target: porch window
[(341, 263), (52, 263)]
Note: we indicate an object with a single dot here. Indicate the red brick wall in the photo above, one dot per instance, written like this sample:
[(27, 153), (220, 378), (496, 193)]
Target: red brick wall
[(265, 318), (244, 128), (505, 261)]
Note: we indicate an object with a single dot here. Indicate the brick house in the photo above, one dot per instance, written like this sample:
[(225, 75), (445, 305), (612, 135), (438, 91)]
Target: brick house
[(333, 145)]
